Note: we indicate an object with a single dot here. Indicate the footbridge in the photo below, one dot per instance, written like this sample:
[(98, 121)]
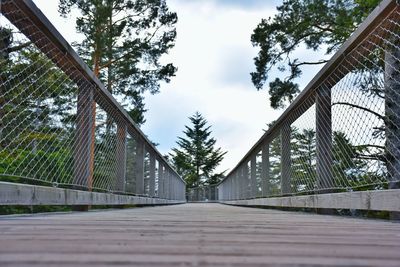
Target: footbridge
[(66, 141)]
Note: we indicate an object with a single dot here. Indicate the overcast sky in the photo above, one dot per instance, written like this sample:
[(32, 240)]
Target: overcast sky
[(214, 57)]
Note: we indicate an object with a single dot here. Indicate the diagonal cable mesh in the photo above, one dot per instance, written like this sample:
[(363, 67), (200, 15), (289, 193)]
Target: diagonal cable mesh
[(59, 126), (343, 133)]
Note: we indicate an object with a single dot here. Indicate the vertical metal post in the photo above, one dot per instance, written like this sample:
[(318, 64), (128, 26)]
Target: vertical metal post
[(253, 176), (285, 158), (265, 170), (139, 162), (161, 178), (83, 139), (247, 178), (152, 178), (244, 182), (121, 157), (166, 184), (324, 138)]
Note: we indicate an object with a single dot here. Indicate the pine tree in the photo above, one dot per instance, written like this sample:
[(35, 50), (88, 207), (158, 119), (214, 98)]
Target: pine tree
[(196, 157), (123, 42)]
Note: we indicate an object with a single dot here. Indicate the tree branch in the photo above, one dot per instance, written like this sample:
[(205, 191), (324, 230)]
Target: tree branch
[(360, 107), (369, 145), (310, 63), (18, 47)]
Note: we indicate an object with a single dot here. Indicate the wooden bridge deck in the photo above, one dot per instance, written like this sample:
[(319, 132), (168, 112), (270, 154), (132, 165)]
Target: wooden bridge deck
[(197, 235)]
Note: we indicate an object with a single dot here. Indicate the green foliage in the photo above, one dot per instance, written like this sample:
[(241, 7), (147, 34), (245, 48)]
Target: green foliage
[(314, 23), (304, 152), (124, 41), (196, 157), (350, 164)]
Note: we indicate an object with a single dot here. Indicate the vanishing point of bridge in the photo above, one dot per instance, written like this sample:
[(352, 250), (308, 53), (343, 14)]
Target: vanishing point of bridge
[(65, 140)]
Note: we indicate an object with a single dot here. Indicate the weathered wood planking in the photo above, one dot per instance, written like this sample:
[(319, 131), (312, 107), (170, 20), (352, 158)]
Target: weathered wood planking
[(197, 235)]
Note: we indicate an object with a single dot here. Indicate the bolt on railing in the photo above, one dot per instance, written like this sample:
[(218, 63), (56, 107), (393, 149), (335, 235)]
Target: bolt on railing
[(342, 133), (59, 126)]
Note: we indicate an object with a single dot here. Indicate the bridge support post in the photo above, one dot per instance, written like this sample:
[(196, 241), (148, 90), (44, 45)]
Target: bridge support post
[(84, 142), (253, 176), (285, 159), (166, 184), (324, 139), (139, 164), (392, 111), (152, 179), (121, 157), (160, 189), (247, 180), (265, 170)]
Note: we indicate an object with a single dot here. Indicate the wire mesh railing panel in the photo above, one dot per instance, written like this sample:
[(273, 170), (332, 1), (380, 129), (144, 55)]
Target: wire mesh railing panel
[(204, 193), (343, 132), (274, 178), (130, 182), (59, 126), (303, 171), (105, 152), (258, 170), (37, 111)]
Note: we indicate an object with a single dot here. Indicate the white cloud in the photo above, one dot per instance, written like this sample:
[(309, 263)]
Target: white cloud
[(214, 56)]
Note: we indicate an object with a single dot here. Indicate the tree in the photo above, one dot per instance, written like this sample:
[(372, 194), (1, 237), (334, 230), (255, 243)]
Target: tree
[(304, 153), (196, 157), (314, 23), (36, 114), (124, 41)]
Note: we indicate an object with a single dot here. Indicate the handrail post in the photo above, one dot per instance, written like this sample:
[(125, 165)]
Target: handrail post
[(160, 191), (84, 142), (83, 138), (253, 176), (139, 163), (265, 170), (152, 178), (285, 158), (120, 157), (324, 138), (166, 184)]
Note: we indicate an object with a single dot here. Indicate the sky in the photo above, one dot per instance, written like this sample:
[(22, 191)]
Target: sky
[(214, 57)]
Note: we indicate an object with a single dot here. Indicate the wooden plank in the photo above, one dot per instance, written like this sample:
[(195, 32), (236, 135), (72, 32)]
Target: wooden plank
[(384, 200), (23, 194), (197, 235)]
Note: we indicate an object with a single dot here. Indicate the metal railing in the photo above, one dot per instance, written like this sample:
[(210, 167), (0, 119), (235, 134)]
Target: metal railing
[(59, 126), (342, 133), (206, 193)]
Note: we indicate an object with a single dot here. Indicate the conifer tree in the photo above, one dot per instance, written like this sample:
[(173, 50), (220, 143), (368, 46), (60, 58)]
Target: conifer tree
[(196, 157), (123, 42)]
